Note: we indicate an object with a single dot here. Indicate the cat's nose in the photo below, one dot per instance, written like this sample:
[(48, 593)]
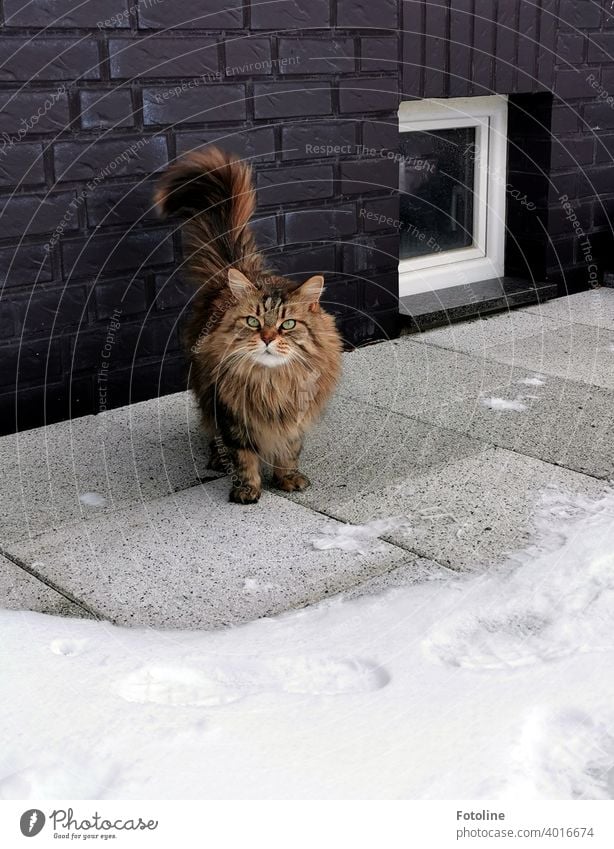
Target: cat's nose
[(268, 336)]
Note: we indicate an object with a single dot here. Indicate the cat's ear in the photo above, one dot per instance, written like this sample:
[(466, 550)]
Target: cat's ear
[(238, 283), (310, 292)]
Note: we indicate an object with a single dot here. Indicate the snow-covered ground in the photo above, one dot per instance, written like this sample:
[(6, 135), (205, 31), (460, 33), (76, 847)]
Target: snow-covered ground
[(492, 686)]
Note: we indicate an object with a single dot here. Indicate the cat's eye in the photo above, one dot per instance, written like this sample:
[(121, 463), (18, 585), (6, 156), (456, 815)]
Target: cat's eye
[(252, 321), (288, 324)]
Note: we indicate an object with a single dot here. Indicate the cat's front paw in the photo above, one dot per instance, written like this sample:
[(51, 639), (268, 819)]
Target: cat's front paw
[(244, 494), (292, 482)]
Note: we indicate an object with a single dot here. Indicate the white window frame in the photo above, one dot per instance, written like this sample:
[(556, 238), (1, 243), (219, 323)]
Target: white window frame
[(485, 258)]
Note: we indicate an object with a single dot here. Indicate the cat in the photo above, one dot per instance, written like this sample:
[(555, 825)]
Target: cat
[(264, 355)]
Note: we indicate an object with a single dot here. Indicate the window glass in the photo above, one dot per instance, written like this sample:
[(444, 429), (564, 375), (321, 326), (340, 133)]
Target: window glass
[(436, 183)]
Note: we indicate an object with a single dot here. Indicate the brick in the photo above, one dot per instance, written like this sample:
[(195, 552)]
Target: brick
[(484, 39), (601, 47), (33, 112), (21, 164), (381, 135), (372, 175), (291, 14), (371, 252), (341, 296), (382, 14), (253, 143), (436, 49), (316, 56), (107, 254), (461, 38), (25, 215), (364, 94), (564, 119), (381, 292), (158, 56), (200, 103), (51, 311), (172, 290), (599, 115), (25, 59), (150, 336), (106, 109), (579, 14), (575, 83), (191, 14), (387, 208), (378, 54), (300, 183), (140, 382), (570, 48), (528, 41), (265, 231), (605, 148), (245, 56), (7, 320), (286, 100), (24, 265), (558, 223), (570, 153), (128, 295), (302, 264), (126, 204), (412, 43), (103, 159), (300, 140), (35, 361), (312, 225), (505, 51), (107, 14)]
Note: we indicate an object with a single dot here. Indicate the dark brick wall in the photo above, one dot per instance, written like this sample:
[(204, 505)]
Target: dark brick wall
[(96, 97)]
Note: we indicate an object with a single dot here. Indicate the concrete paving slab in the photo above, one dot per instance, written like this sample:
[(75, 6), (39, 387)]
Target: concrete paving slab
[(467, 513), (407, 376), (172, 421), (416, 571), (595, 308), (574, 352), (21, 591), (72, 470), (476, 336), (356, 450), (564, 422), (193, 560)]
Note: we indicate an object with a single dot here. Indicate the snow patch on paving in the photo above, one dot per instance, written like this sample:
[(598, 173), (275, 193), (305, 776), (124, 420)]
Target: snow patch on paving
[(92, 499), (471, 687), (503, 405), (358, 538), (531, 381)]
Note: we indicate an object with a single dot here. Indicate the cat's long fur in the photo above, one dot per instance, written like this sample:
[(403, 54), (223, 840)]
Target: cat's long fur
[(259, 388)]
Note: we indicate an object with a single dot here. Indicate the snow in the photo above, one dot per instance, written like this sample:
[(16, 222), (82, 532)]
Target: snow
[(92, 499), (501, 404), (531, 381), (357, 538), (492, 686)]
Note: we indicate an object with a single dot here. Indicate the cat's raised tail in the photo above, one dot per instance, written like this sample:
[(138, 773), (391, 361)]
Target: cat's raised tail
[(212, 192)]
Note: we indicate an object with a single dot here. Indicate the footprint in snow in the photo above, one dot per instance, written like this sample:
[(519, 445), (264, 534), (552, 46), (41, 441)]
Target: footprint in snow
[(302, 674), (67, 648), (560, 754)]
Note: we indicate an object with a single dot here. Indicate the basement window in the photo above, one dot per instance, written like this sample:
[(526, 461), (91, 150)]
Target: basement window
[(452, 171)]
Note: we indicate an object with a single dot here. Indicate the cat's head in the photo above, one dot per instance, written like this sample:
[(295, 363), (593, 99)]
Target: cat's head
[(271, 325)]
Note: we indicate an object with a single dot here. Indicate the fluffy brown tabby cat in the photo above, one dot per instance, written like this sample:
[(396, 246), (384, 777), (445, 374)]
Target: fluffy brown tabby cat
[(264, 355)]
